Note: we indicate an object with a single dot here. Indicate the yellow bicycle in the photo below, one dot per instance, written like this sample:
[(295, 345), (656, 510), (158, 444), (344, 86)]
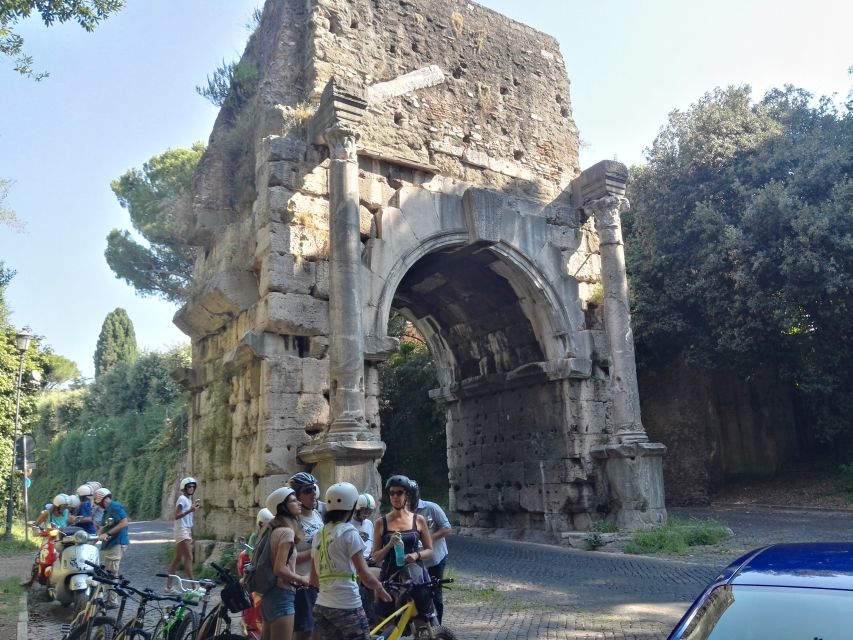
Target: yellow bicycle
[(406, 619)]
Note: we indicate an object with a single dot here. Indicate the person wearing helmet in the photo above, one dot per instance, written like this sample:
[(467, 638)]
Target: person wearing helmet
[(439, 528), (408, 530), (84, 511), (362, 522), (56, 515), (113, 535), (261, 520), (97, 510), (185, 507), (307, 492), (337, 563), (278, 605)]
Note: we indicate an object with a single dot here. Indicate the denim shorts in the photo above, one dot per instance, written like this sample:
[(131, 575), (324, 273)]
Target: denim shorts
[(305, 600), (277, 603)]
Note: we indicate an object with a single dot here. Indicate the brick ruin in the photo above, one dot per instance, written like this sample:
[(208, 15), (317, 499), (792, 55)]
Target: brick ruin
[(417, 155)]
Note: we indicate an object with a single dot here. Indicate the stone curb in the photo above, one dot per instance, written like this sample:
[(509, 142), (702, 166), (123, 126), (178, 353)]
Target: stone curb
[(23, 617)]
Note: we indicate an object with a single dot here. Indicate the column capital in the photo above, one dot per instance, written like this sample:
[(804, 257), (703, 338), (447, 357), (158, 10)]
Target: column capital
[(606, 212), (341, 140)]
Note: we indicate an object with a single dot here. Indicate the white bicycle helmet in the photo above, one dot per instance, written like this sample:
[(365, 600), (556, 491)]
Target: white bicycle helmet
[(60, 500), (264, 516), (73, 502), (341, 496), (102, 493), (186, 481), (277, 497), (84, 490), (366, 501)]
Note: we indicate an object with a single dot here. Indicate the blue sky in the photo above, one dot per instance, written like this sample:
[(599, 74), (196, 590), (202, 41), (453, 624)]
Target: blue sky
[(126, 92)]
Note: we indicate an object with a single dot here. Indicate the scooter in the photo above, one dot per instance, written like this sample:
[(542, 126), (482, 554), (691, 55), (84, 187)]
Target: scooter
[(68, 581), (47, 556), (252, 621)]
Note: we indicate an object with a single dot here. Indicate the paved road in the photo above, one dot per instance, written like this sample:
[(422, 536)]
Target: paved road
[(514, 590)]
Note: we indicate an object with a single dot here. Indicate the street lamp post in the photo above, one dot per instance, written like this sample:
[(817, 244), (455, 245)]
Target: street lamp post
[(23, 341)]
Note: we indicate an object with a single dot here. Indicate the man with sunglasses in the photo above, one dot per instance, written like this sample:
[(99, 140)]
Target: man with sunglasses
[(307, 492)]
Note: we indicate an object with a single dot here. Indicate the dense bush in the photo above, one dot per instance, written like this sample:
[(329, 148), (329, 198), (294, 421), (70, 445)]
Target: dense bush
[(125, 430)]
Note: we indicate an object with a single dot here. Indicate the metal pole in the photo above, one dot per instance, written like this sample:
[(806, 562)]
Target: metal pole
[(26, 488), (10, 507)]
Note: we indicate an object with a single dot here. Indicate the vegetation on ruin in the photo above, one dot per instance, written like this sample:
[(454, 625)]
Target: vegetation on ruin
[(153, 196), (234, 81), (740, 251)]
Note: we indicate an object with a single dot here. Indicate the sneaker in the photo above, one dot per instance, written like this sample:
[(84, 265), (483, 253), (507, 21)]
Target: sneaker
[(173, 591)]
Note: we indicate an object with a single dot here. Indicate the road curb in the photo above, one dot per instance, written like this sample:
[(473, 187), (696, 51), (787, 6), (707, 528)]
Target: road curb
[(23, 617), (777, 507)]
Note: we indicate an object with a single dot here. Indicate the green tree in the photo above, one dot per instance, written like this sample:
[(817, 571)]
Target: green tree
[(59, 370), (413, 427), (163, 266), (86, 13), (116, 342), (739, 245)]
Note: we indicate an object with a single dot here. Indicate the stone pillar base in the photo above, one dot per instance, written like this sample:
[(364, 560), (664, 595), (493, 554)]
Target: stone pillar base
[(348, 461), (635, 475)]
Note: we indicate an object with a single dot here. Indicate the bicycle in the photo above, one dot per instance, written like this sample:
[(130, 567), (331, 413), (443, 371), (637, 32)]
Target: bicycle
[(180, 621), (216, 624), (406, 620), (81, 626)]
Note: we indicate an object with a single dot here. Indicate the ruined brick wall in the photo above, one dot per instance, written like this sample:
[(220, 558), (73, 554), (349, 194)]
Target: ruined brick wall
[(258, 315)]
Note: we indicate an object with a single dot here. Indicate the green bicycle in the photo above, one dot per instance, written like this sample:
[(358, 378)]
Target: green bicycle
[(180, 621)]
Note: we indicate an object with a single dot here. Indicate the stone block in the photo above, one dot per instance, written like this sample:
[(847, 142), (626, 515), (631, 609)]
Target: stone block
[(564, 238), (321, 286), (315, 375), (287, 274), (366, 223), (282, 375), (292, 314), (309, 211), (318, 346)]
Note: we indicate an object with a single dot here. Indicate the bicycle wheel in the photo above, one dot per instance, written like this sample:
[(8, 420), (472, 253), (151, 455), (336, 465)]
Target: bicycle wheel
[(136, 634), (443, 633), (102, 627), (81, 599), (186, 628), (229, 636)]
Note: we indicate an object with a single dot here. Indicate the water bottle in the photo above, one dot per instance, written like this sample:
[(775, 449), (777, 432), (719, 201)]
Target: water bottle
[(399, 552)]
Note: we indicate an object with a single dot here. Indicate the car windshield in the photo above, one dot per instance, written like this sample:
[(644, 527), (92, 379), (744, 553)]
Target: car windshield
[(773, 613)]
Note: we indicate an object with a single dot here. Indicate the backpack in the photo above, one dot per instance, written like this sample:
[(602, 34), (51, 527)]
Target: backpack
[(259, 575)]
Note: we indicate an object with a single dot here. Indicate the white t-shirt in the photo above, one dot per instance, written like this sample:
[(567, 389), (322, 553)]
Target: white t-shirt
[(310, 525), (339, 591), (365, 531), (185, 504)]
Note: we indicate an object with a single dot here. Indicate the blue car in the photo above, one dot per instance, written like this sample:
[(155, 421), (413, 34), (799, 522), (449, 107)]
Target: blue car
[(781, 592)]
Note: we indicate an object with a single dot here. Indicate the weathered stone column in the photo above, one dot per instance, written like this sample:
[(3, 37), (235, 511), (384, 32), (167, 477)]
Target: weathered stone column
[(632, 464), (617, 318), (348, 451), (346, 340)]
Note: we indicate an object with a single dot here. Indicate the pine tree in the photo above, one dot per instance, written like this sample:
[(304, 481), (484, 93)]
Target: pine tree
[(116, 342)]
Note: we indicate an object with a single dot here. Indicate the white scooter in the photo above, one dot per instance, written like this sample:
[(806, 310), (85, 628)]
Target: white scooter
[(69, 581)]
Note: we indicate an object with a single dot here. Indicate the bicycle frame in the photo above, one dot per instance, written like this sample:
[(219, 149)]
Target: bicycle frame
[(406, 614)]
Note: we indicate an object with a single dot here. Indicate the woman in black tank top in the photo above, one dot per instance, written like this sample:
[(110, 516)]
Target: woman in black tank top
[(411, 528)]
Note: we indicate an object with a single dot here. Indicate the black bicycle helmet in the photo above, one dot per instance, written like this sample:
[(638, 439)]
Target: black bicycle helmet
[(301, 479), (399, 481), (414, 495)]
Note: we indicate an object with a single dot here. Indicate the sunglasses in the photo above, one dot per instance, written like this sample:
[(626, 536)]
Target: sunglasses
[(396, 493), (307, 490)]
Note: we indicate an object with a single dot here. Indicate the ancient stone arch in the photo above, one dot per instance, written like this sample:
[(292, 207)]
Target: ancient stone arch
[(417, 156)]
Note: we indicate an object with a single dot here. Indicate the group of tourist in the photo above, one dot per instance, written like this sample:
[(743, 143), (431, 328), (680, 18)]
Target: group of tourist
[(330, 558), (92, 508)]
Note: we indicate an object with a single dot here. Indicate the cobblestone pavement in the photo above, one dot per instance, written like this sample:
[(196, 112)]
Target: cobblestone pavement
[(516, 590)]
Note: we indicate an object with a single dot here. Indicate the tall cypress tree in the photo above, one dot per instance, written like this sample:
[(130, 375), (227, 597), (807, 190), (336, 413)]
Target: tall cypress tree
[(116, 343)]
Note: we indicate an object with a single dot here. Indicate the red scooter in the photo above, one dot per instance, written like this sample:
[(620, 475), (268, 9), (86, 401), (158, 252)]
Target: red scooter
[(252, 621), (47, 556)]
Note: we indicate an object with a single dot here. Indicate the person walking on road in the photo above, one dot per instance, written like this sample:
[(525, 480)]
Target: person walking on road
[(439, 528), (185, 507), (114, 535)]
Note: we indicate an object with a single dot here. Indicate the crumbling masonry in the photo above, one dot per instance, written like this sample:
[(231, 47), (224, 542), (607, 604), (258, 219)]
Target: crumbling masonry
[(415, 155)]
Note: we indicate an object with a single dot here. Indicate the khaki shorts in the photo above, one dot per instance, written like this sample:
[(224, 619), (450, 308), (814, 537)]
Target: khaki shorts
[(183, 533)]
